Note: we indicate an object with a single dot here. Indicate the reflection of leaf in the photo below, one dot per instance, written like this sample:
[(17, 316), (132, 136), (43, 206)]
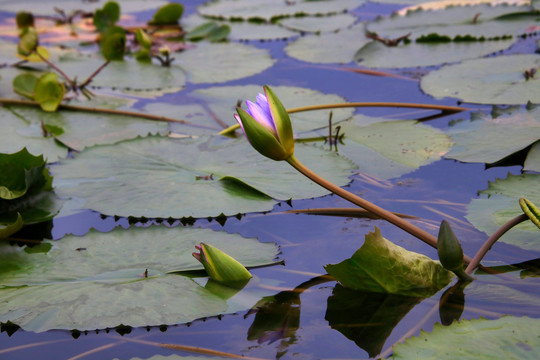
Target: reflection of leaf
[(163, 177), (530, 268), (505, 338), (502, 204), (367, 318), (9, 228), (381, 266), (96, 281)]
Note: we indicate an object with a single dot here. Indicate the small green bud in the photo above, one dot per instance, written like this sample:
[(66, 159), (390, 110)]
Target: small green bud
[(450, 251), (222, 267), (530, 210), (143, 38)]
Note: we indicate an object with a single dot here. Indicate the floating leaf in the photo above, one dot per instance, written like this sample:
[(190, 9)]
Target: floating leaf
[(80, 129), (107, 16), (505, 338), (502, 205), (488, 139), (269, 9), (316, 24), (98, 281), (162, 177), (335, 47), (49, 92), (113, 43), (381, 266), (494, 80), (168, 14), (532, 162), (24, 85), (388, 149)]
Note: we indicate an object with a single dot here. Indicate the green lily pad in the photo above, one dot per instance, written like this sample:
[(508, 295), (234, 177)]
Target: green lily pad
[(213, 108), (40, 7), (335, 47), (269, 9), (476, 21), (488, 140), (532, 163), (80, 129), (315, 24), (221, 62), (168, 14), (97, 281), (505, 338), (242, 30), (163, 177), (388, 149), (495, 80), (381, 266), (49, 92), (377, 55), (502, 205)]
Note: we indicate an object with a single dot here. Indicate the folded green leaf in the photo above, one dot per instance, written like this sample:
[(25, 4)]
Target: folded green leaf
[(381, 266)]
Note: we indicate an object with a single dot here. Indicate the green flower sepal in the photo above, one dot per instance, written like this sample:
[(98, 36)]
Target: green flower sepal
[(450, 252), (222, 267)]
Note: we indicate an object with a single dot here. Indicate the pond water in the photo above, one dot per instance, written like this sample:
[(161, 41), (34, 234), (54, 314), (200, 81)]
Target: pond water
[(323, 321)]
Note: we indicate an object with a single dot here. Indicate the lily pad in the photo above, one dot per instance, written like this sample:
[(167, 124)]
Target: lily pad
[(502, 205), (40, 7), (17, 133), (476, 21), (377, 55), (80, 129), (532, 162), (335, 47), (163, 177), (381, 266), (270, 9), (496, 80), (316, 24), (488, 140), (98, 281), (213, 108), (505, 338), (221, 62), (388, 149)]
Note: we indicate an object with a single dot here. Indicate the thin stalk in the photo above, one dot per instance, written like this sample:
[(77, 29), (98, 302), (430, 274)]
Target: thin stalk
[(443, 108), (96, 110), (87, 81), (475, 262), (385, 214), (58, 70)]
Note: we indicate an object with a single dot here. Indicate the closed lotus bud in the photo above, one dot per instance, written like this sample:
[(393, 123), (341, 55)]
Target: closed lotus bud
[(222, 267), (267, 126), (530, 210), (450, 251)]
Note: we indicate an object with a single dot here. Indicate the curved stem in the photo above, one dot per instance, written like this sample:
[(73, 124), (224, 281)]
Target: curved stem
[(58, 70), (385, 214), (491, 240), (443, 108)]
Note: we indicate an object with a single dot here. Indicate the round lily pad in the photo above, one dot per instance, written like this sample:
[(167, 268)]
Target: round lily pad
[(334, 47), (495, 80), (318, 24), (98, 281), (164, 177), (502, 205), (388, 149), (269, 9)]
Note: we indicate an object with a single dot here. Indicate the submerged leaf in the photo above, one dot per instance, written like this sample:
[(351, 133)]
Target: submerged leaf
[(381, 266)]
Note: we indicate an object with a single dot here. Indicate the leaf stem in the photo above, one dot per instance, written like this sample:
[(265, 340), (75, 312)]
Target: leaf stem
[(87, 81), (385, 214), (475, 262), (96, 110), (443, 108), (58, 70)]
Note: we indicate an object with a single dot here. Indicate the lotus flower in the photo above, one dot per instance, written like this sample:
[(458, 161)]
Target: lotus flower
[(267, 126), (222, 267)]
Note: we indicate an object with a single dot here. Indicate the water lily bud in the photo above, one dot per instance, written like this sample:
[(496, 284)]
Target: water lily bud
[(450, 251), (165, 51), (267, 126), (222, 267), (143, 38), (530, 210)]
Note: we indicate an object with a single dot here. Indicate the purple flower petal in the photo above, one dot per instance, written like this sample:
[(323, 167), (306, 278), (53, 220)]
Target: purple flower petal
[(262, 115)]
